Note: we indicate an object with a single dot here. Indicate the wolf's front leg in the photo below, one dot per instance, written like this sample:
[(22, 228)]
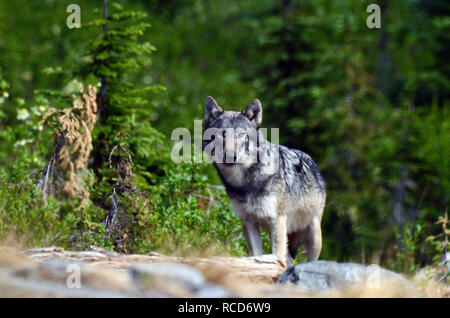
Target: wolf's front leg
[(278, 238), (253, 235)]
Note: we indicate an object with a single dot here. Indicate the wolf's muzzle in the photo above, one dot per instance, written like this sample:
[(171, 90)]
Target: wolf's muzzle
[(230, 158)]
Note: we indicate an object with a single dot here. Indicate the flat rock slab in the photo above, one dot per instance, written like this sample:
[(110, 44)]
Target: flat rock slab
[(48, 272), (263, 268)]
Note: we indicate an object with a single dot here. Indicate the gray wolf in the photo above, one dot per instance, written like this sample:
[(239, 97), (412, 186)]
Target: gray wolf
[(279, 190)]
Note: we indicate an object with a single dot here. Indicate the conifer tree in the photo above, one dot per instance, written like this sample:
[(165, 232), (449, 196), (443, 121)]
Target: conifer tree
[(116, 55)]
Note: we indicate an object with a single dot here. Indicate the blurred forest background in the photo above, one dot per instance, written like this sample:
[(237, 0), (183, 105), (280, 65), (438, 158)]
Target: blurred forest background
[(86, 116)]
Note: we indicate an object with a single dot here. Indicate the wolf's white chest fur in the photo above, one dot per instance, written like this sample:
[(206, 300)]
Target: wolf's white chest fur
[(262, 207), (265, 210), (299, 210)]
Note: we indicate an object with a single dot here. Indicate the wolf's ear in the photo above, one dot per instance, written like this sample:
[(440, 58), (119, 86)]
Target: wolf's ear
[(212, 110), (254, 112)]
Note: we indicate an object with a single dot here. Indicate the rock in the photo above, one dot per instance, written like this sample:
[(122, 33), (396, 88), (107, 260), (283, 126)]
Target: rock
[(181, 274), (45, 272), (213, 291), (50, 279), (261, 269), (180, 279), (264, 268), (44, 250), (328, 277)]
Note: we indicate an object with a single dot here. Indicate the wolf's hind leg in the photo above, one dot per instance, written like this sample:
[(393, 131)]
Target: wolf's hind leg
[(253, 236), (313, 240)]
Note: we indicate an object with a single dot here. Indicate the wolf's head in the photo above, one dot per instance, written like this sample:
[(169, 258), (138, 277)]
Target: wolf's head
[(231, 137)]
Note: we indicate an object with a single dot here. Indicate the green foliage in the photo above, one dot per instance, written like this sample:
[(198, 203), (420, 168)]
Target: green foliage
[(113, 56), (180, 220), (4, 94), (26, 218), (407, 248), (86, 229), (440, 244), (186, 220)]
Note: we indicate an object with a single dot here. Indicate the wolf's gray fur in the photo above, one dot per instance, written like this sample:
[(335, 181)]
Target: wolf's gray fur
[(287, 201)]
